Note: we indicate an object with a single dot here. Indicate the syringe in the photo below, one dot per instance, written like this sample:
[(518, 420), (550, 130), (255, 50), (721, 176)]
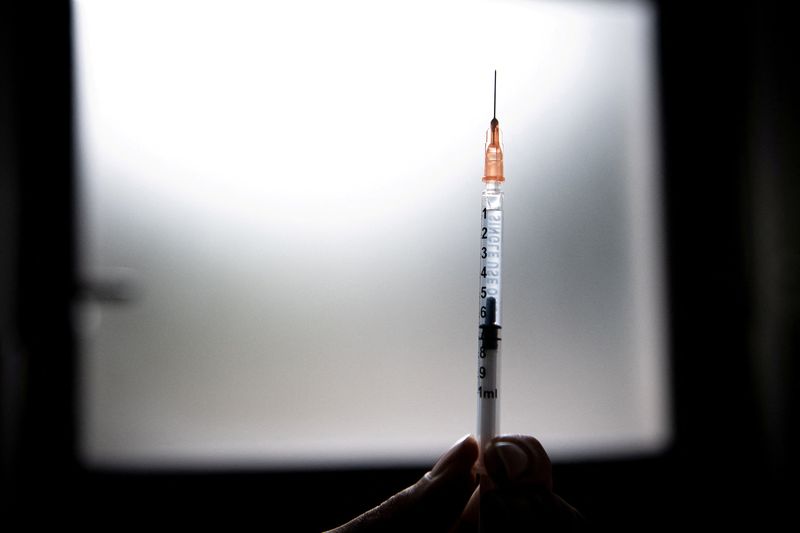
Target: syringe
[(491, 301)]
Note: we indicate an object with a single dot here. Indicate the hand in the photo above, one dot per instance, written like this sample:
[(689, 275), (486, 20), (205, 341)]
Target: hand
[(516, 496), (519, 493)]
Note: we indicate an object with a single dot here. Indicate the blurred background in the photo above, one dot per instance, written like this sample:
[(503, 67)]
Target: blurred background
[(293, 236), (238, 266)]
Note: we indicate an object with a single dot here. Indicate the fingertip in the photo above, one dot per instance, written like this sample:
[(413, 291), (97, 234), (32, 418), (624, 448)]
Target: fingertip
[(460, 457), (474, 447), (518, 459)]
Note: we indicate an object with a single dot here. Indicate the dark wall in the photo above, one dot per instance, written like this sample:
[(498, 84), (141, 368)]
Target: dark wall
[(36, 339), (728, 90), (730, 121)]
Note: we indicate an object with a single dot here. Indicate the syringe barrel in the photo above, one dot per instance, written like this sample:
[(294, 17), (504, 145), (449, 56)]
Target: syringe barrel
[(490, 318)]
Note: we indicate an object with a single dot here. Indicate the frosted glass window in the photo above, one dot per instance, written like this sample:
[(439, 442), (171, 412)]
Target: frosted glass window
[(284, 199)]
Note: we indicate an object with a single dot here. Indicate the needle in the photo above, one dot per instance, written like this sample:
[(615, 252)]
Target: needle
[(494, 111)]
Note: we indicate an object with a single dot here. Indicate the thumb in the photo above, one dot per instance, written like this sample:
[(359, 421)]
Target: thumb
[(520, 496), (433, 503)]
